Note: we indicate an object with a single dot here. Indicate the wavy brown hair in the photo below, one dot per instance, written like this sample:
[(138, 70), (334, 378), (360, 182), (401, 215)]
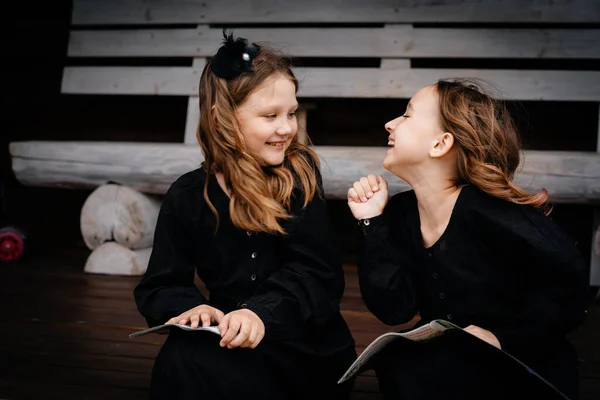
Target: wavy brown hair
[(260, 196), (489, 147)]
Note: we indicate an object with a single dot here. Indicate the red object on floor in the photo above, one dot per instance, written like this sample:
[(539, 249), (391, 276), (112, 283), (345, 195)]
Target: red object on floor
[(12, 244)]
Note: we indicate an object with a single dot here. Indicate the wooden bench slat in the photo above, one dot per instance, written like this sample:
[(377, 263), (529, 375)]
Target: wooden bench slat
[(110, 12), (595, 247), (132, 80), (389, 41), (570, 177), (340, 82)]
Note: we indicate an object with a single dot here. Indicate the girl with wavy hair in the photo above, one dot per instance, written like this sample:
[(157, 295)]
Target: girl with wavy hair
[(252, 222), (467, 245)]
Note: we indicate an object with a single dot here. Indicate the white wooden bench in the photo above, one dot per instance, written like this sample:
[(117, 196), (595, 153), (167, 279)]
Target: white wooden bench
[(399, 32)]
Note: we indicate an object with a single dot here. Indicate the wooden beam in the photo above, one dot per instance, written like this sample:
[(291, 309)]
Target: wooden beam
[(340, 82), (301, 117), (389, 41), (120, 214), (570, 177), (191, 122), (595, 251), (132, 80), (147, 12), (395, 63), (193, 111), (114, 259)]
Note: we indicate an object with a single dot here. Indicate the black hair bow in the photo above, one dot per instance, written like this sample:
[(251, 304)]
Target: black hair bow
[(234, 57)]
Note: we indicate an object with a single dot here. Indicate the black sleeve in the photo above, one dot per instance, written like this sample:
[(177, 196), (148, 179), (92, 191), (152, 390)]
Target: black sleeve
[(167, 288), (385, 267), (308, 287), (555, 281)]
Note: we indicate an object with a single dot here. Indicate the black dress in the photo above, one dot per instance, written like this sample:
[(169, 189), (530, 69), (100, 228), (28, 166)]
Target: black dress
[(501, 266), (294, 283)]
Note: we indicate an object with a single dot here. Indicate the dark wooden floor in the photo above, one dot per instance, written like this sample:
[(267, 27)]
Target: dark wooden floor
[(65, 334)]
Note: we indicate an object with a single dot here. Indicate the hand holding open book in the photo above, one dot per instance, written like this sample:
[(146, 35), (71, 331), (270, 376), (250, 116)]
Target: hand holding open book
[(239, 328), (231, 329)]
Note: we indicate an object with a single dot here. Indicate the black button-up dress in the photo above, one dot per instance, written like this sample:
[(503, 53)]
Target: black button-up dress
[(294, 283), (504, 267)]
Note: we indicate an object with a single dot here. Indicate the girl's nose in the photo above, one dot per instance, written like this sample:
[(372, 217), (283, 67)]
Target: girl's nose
[(390, 126)]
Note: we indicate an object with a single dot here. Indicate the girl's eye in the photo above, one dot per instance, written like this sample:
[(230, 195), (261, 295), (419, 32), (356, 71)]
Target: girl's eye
[(293, 114), (405, 116), (271, 116)]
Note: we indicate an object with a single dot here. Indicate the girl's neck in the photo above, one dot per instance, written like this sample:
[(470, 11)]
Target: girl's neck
[(435, 188), (436, 200)]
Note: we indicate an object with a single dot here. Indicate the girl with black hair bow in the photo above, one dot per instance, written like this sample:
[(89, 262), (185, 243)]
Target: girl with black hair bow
[(252, 223)]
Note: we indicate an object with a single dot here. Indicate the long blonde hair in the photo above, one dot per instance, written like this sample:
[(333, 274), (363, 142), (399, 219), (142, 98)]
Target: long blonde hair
[(488, 144), (260, 196)]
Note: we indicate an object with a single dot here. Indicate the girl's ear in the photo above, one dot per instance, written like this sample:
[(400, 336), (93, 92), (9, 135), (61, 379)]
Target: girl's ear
[(441, 145)]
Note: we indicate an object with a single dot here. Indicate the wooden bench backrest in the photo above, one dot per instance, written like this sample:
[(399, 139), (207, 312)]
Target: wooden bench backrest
[(388, 30)]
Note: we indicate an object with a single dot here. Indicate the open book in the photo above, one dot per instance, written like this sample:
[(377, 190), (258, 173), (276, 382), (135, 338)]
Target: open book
[(437, 328), (166, 328), (426, 332)]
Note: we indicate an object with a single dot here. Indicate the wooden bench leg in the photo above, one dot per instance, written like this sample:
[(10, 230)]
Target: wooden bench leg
[(301, 117), (595, 259), (191, 122), (193, 110), (595, 256)]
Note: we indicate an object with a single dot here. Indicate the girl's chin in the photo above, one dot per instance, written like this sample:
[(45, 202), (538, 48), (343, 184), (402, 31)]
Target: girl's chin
[(271, 160), (388, 161)]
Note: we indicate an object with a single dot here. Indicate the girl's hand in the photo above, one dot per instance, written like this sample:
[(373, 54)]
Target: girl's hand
[(484, 335), (244, 323), (368, 196), (204, 313)]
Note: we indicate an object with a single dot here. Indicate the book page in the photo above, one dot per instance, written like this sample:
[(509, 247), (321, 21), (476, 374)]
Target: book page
[(165, 328), (426, 332)]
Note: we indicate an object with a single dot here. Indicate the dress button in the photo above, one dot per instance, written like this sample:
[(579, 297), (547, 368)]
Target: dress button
[(248, 233), (254, 255), (442, 295), (253, 277), (429, 254), (449, 316), (435, 275)]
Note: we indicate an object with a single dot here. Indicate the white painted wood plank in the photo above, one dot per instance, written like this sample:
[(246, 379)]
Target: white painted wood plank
[(193, 111), (132, 80), (395, 63), (172, 156), (340, 82), (301, 117), (86, 12), (570, 177), (403, 83), (192, 119), (595, 256), (595, 251), (598, 139), (389, 41), (201, 42)]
